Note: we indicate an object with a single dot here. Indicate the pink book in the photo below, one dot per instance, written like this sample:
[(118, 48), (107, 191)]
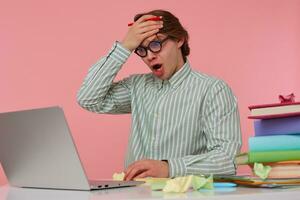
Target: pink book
[(286, 169)]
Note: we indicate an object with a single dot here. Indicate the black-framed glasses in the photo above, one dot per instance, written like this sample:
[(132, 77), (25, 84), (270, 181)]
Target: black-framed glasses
[(154, 46)]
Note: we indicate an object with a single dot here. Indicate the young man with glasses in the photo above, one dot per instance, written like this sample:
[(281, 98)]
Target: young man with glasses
[(183, 122)]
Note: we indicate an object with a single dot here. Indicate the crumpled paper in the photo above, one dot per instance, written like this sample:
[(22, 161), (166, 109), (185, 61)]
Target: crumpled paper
[(118, 176), (154, 183), (179, 184), (261, 171), (182, 184), (175, 185), (202, 182)]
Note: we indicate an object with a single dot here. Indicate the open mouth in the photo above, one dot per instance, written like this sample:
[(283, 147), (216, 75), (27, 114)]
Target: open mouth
[(157, 66), (158, 70)]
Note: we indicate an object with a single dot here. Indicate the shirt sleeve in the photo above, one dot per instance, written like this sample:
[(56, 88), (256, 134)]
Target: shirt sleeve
[(222, 130), (98, 93)]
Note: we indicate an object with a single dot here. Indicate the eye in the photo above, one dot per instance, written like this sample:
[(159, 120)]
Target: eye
[(141, 51), (155, 46)]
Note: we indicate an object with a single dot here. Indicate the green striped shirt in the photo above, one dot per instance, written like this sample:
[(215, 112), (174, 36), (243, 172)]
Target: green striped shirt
[(191, 120)]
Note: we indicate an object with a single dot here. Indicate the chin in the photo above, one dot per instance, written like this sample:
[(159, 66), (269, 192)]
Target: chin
[(164, 78)]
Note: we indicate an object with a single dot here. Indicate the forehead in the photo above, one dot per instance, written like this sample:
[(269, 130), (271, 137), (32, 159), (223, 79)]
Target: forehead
[(153, 37)]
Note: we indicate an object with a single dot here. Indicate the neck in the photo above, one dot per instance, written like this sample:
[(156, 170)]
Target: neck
[(180, 62)]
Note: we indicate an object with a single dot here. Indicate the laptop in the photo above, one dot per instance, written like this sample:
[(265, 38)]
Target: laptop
[(37, 151)]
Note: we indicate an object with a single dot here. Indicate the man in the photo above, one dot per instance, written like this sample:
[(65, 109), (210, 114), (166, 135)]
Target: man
[(183, 122)]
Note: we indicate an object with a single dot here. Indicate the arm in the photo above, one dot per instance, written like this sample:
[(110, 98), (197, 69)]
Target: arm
[(222, 130), (98, 92)]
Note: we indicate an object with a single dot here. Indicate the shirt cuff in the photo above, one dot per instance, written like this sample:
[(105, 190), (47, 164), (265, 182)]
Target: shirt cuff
[(176, 167), (119, 53)]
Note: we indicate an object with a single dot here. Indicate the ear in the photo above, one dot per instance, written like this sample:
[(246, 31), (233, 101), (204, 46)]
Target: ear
[(180, 42)]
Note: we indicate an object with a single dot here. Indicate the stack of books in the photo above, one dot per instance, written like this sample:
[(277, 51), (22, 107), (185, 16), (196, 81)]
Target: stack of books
[(277, 139)]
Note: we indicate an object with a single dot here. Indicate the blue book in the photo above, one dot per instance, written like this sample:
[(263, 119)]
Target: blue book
[(277, 126), (274, 143)]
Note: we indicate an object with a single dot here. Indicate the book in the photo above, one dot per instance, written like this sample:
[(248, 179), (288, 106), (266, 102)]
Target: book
[(258, 182), (266, 156), (288, 169), (274, 143), (277, 126), (276, 110)]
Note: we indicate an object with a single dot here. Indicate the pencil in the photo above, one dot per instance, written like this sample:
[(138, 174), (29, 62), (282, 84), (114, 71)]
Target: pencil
[(152, 18)]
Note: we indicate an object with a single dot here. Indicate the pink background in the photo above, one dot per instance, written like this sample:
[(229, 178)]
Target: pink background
[(46, 48)]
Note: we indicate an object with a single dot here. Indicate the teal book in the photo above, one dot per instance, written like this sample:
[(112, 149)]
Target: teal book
[(274, 143)]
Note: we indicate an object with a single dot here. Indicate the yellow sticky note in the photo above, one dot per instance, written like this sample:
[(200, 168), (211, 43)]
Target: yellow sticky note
[(151, 180), (155, 183), (118, 176), (179, 184), (182, 184)]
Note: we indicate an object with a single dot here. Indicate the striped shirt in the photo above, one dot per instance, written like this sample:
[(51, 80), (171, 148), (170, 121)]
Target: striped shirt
[(191, 120)]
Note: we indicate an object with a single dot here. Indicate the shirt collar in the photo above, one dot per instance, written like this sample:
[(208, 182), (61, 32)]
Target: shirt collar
[(158, 82), (176, 79), (180, 75)]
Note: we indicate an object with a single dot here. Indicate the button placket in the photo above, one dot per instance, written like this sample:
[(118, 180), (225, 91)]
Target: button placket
[(157, 118)]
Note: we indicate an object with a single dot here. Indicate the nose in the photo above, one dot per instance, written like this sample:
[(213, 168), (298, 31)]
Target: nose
[(150, 55)]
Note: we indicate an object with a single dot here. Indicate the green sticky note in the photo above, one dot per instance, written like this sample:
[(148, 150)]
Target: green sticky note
[(261, 171), (209, 183), (202, 182), (198, 182), (182, 184), (158, 186)]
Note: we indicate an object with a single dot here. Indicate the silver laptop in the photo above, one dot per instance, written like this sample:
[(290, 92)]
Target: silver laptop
[(37, 151)]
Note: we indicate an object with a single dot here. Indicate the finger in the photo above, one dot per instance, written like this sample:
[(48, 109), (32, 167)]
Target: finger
[(137, 164), (127, 173), (149, 28), (134, 169), (130, 168), (144, 174), (149, 33), (134, 172), (148, 23)]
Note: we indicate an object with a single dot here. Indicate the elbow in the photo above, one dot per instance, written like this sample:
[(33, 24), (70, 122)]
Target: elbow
[(90, 105), (84, 103), (224, 166), (80, 101), (227, 168)]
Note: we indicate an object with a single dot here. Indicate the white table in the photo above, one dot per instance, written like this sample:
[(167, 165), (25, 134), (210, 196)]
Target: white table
[(144, 192)]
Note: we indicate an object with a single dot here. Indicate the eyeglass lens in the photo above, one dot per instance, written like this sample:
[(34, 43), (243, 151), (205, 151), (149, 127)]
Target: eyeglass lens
[(154, 46)]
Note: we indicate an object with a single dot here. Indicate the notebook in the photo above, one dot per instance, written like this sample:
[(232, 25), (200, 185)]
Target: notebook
[(37, 151), (258, 182)]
